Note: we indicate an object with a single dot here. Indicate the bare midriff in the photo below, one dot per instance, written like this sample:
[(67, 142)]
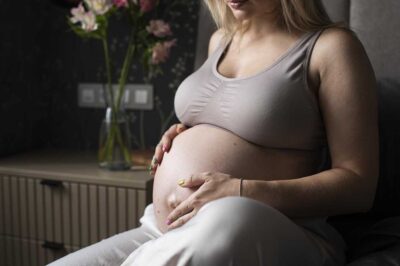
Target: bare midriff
[(206, 148)]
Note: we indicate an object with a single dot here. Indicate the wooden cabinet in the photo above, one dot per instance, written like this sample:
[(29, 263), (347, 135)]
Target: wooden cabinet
[(52, 203)]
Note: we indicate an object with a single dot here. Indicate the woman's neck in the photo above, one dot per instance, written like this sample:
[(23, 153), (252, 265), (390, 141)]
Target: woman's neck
[(258, 28), (263, 26), (265, 23)]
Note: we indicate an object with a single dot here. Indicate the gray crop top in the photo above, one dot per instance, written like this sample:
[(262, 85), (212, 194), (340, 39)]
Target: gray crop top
[(274, 108)]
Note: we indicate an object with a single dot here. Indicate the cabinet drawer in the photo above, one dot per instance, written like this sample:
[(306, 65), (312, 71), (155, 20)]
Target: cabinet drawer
[(25, 252), (75, 214)]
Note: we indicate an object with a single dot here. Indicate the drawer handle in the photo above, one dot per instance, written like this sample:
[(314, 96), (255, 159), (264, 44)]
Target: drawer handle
[(51, 183), (53, 245)]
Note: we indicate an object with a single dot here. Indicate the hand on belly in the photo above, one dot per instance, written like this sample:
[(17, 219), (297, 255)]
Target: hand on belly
[(203, 188), (205, 148), (179, 195), (167, 199)]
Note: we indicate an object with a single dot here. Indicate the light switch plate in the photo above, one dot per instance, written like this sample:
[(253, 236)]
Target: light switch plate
[(136, 97)]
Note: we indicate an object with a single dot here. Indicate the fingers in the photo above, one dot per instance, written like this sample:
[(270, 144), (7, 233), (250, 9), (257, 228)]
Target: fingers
[(180, 128), (164, 145), (182, 220), (157, 157), (170, 134), (194, 180), (189, 207), (181, 214), (153, 165)]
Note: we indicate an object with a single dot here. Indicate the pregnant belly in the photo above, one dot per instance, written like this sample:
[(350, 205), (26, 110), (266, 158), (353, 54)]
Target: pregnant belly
[(206, 148)]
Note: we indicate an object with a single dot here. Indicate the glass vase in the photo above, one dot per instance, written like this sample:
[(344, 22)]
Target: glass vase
[(114, 141)]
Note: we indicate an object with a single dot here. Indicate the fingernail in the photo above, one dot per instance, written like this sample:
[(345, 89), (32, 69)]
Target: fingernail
[(164, 148), (168, 222), (181, 182)]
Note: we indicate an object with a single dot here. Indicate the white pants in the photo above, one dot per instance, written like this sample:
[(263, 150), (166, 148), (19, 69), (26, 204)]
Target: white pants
[(228, 231)]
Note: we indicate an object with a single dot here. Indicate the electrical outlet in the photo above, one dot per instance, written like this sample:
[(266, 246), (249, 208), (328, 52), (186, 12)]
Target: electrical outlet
[(136, 97), (89, 95), (139, 96)]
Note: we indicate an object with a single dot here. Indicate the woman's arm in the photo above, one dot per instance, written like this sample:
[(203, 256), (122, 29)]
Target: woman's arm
[(347, 96), (340, 68), (348, 102)]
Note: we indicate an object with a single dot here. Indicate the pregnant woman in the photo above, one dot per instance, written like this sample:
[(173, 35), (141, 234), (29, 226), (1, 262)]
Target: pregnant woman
[(246, 179)]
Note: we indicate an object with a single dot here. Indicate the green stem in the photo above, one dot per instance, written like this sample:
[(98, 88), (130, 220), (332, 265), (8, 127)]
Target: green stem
[(110, 138), (125, 69), (122, 80), (123, 77), (108, 70), (106, 153), (115, 106), (114, 135), (123, 145)]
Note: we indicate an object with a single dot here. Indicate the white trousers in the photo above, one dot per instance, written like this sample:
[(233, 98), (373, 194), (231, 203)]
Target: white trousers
[(228, 231)]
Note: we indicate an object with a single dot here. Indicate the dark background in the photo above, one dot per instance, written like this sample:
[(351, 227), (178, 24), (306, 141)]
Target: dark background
[(42, 62)]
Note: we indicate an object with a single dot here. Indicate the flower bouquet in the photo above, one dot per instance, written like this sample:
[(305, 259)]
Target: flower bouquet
[(150, 39)]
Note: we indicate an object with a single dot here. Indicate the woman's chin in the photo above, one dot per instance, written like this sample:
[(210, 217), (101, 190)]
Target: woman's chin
[(241, 15)]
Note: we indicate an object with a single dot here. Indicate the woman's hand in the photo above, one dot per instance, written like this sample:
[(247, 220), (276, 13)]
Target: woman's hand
[(164, 145), (210, 186)]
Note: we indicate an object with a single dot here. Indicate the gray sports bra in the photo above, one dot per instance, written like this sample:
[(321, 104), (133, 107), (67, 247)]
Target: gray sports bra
[(274, 108)]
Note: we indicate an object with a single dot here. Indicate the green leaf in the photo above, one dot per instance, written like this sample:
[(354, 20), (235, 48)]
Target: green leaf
[(97, 34)]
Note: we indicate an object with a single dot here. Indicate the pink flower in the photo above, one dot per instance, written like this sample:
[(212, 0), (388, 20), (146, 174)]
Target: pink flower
[(120, 3), (159, 28), (161, 51), (77, 13), (87, 19), (99, 7), (89, 22), (147, 5)]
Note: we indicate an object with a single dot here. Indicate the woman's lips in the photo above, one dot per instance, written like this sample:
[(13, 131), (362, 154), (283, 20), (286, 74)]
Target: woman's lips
[(236, 4)]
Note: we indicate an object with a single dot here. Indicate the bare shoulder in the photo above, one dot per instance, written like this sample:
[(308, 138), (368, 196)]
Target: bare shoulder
[(338, 35), (215, 39), (337, 46)]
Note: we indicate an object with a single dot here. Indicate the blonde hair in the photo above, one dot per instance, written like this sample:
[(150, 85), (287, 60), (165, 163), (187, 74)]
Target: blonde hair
[(296, 15)]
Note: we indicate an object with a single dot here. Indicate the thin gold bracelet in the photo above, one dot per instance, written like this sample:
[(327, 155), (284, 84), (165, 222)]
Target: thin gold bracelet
[(241, 187)]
